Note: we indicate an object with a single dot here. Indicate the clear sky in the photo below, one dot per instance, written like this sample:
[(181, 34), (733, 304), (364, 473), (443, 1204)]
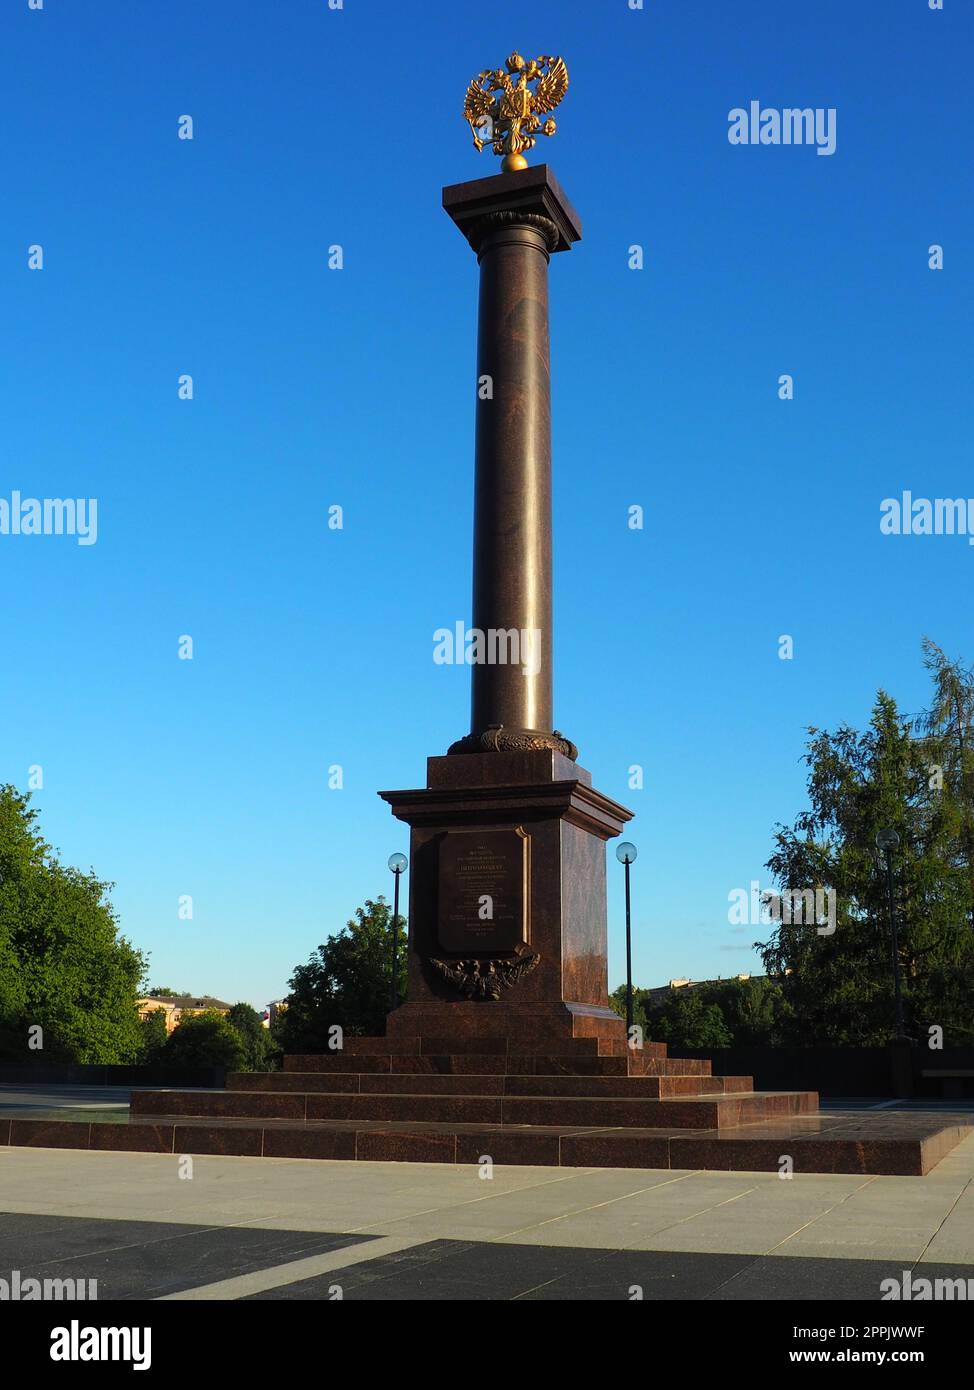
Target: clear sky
[(316, 387)]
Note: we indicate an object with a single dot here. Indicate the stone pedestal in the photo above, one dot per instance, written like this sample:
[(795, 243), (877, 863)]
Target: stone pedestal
[(507, 911)]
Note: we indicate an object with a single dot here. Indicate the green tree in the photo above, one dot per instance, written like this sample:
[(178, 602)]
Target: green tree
[(948, 731), (260, 1050), (640, 997), (755, 1011), (687, 1019), (839, 986), (205, 1040), (724, 1013), (344, 983), (63, 964), (153, 1036)]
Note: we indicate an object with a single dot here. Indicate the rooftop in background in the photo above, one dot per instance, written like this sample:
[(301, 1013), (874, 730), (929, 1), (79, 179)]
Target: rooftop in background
[(179, 1006), (187, 1001), (660, 992)]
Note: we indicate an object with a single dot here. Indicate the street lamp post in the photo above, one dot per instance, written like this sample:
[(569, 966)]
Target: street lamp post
[(887, 841), (398, 863), (626, 854)]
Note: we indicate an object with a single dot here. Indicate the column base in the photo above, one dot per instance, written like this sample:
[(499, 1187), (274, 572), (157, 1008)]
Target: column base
[(498, 739), (507, 907), (523, 1027)]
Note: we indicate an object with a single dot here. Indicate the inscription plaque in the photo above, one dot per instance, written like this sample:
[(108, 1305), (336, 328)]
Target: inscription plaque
[(483, 891)]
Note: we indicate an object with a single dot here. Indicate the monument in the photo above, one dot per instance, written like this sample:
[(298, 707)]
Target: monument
[(506, 1044), (507, 905)]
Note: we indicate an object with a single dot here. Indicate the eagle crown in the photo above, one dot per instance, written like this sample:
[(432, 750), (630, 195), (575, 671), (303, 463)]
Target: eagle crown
[(510, 126)]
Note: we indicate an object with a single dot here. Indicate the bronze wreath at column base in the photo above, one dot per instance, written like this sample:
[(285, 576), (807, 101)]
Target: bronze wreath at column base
[(498, 739)]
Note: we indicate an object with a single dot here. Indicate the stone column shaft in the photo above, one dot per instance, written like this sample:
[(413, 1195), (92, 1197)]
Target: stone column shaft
[(512, 506), (514, 222)]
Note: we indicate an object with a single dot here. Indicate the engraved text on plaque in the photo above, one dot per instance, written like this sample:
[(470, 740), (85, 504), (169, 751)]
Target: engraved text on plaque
[(483, 891)]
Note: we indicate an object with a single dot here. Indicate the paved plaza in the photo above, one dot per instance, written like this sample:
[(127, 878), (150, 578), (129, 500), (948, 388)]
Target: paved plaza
[(150, 1226)]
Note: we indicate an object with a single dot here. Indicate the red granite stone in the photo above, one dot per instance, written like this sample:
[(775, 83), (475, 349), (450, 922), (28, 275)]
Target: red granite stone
[(839, 1141), (250, 1105), (890, 1156), (301, 1081), (457, 1046), (626, 1087), (337, 1061), (581, 1055), (704, 1085), (554, 1065), (467, 1064), (400, 1146), (309, 1143), (505, 769), (642, 1065), (49, 1134), (228, 1139), (532, 1148), (567, 823), (615, 1149), (413, 1109), (655, 1052), (433, 1084), (579, 1111), (379, 1047), (136, 1137), (733, 1153), (641, 1113)]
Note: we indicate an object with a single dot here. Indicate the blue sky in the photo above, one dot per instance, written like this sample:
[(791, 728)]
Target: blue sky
[(312, 387)]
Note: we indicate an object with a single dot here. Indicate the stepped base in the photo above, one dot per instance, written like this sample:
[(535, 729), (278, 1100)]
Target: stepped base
[(655, 1086), (578, 1100), (441, 1054), (868, 1142), (721, 1111)]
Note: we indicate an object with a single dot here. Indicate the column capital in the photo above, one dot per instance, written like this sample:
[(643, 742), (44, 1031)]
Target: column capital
[(532, 197)]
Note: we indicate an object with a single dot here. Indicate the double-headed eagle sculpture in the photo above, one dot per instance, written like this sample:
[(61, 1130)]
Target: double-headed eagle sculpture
[(484, 979), (503, 112)]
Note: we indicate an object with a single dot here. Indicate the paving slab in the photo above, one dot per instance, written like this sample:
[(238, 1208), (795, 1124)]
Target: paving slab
[(528, 1233)]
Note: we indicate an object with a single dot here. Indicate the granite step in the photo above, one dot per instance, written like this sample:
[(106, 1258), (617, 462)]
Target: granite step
[(422, 1046), (448, 1084), (632, 1063), (628, 1087), (714, 1112), (864, 1142)]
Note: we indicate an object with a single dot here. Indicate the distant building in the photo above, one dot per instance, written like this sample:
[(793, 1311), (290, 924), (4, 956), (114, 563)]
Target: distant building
[(274, 1010), (661, 993), (182, 1006)]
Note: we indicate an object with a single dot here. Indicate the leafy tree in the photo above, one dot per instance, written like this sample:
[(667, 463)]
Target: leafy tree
[(688, 1019), (154, 1036), (723, 1013), (260, 1051), (755, 1011), (165, 993), (13, 985), (345, 982), (839, 986), (948, 729), (63, 963), (640, 1006), (205, 1040)]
